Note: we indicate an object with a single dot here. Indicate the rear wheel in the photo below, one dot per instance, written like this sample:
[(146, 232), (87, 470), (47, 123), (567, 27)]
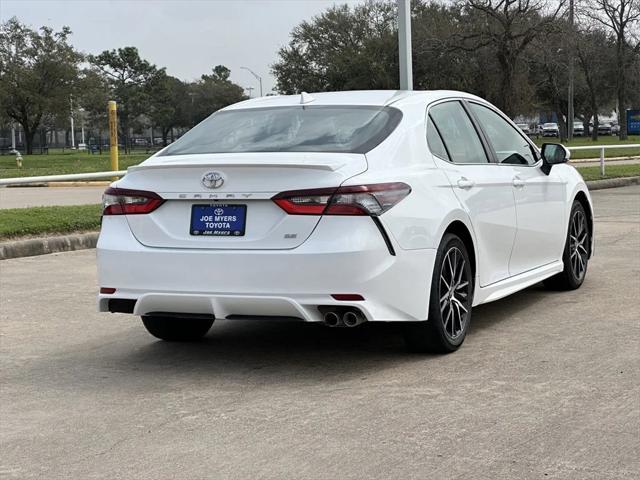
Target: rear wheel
[(174, 329), (450, 301), (576, 252)]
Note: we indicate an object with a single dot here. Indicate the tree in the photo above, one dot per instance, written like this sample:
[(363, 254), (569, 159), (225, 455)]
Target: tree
[(213, 92), (341, 49), (93, 94), (620, 16), (38, 71), (130, 78), (170, 105), (593, 53), (507, 28)]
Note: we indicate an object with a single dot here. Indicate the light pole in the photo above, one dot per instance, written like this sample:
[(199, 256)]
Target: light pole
[(258, 77), (570, 113), (404, 44), (73, 139)]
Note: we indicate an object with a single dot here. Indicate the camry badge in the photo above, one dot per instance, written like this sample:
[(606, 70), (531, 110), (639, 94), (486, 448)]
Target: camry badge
[(212, 180)]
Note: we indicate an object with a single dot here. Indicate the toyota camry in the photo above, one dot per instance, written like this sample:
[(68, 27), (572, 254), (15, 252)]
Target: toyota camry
[(343, 208)]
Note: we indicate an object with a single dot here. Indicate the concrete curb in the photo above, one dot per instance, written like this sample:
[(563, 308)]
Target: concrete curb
[(612, 183), (42, 246)]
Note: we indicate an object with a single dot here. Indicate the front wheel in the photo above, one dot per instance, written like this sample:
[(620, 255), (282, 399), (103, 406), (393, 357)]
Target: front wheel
[(576, 252), (450, 301), (174, 329)]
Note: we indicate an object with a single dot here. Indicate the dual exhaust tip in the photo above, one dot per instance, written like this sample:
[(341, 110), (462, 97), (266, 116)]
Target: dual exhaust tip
[(343, 318)]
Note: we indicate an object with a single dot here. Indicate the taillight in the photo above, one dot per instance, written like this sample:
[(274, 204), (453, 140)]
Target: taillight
[(372, 200), (122, 201)]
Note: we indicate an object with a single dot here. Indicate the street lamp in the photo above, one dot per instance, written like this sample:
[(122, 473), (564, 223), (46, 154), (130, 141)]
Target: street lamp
[(258, 77)]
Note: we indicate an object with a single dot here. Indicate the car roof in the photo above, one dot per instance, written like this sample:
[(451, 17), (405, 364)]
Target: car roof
[(352, 97)]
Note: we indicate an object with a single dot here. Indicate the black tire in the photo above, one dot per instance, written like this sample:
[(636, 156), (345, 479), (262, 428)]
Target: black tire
[(175, 329), (449, 305), (577, 250)]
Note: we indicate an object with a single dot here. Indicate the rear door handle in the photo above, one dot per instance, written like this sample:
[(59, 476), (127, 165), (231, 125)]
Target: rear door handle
[(465, 183), (518, 182)]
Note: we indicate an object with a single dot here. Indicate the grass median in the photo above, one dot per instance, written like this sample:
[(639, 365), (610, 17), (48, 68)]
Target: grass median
[(611, 171), (64, 163), (41, 221)]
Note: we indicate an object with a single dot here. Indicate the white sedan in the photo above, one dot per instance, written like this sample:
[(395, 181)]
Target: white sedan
[(343, 208)]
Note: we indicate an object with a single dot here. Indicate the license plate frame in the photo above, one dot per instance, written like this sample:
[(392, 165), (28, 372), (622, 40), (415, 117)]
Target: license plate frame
[(199, 227)]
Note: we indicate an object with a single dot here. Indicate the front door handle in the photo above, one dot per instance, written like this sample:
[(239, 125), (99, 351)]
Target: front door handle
[(518, 182), (465, 183)]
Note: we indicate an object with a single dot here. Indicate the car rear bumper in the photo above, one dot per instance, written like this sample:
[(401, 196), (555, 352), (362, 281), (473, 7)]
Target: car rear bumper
[(344, 255)]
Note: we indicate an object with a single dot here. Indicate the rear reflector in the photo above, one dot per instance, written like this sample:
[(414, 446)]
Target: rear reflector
[(122, 201), (371, 200), (107, 290), (347, 297)]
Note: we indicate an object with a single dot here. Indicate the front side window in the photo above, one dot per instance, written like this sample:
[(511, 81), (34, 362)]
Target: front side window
[(510, 147), (458, 133), (342, 128)]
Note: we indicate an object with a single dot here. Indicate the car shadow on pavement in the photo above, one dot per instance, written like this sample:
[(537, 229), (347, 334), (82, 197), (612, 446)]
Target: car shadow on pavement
[(255, 352), (309, 350)]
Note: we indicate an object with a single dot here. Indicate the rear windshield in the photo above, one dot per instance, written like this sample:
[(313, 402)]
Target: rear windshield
[(344, 129)]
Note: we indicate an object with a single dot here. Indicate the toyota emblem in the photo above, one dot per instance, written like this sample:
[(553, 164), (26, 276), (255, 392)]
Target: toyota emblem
[(212, 180)]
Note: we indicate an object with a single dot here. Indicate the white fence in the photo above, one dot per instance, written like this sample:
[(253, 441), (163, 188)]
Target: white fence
[(5, 182), (602, 148), (72, 177)]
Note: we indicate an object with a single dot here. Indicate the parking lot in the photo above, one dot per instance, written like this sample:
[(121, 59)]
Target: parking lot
[(547, 385)]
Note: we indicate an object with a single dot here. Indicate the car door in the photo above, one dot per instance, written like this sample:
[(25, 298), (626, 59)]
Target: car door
[(539, 198), (484, 190)]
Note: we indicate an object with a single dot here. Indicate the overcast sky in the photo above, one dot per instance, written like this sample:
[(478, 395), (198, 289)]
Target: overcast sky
[(188, 37)]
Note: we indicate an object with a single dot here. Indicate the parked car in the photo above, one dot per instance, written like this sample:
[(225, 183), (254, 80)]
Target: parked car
[(524, 127), (550, 130), (343, 208), (615, 129), (604, 129), (578, 129)]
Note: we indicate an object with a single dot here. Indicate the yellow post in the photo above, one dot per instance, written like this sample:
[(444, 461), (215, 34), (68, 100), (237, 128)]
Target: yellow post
[(113, 135)]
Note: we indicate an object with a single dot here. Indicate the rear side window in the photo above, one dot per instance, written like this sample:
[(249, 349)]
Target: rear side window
[(510, 147), (344, 129), (458, 133), (435, 141)]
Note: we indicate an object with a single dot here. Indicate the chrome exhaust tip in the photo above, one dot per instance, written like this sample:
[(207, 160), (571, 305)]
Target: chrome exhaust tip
[(353, 319), (331, 319)]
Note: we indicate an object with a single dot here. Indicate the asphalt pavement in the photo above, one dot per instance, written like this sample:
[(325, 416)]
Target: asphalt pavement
[(547, 385)]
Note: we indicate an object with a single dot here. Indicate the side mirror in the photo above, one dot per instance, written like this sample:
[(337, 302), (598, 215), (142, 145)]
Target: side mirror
[(553, 154)]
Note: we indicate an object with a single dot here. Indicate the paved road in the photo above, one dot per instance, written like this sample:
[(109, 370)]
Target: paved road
[(547, 385), (20, 197)]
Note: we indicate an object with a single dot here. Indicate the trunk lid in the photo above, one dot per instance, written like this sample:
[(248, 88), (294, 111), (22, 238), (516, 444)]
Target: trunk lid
[(248, 179)]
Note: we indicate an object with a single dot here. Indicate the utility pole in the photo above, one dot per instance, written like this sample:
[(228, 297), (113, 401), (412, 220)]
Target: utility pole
[(258, 77), (73, 139), (404, 44), (570, 113)]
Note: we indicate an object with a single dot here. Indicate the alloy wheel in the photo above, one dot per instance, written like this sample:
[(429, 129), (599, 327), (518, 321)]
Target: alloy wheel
[(578, 244), (454, 293)]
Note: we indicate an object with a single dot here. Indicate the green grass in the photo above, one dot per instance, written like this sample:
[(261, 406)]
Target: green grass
[(63, 163), (35, 221), (595, 153), (611, 171)]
